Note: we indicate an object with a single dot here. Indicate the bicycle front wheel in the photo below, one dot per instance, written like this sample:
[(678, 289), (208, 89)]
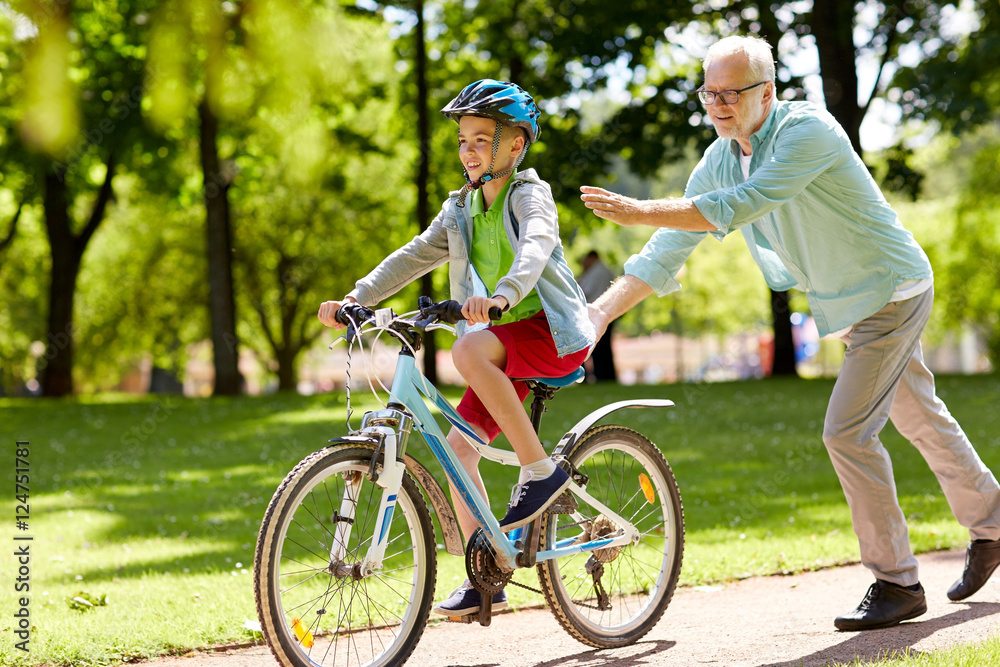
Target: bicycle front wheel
[(613, 596), (314, 611)]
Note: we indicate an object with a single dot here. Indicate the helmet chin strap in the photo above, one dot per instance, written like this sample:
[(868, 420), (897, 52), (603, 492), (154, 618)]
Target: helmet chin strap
[(471, 185)]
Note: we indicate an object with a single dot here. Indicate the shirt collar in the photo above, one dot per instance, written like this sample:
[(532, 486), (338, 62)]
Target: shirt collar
[(758, 137), (476, 205)]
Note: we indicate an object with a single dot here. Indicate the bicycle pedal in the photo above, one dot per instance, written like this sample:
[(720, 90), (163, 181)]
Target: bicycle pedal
[(468, 618), (564, 504)]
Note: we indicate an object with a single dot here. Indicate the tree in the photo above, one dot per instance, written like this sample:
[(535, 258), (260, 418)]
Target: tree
[(64, 166), (141, 286), (973, 274), (254, 68), (956, 85), (208, 27), (424, 171), (303, 238), (958, 89)]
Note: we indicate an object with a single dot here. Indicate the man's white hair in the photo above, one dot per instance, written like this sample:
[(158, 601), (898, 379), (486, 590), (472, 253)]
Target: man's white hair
[(756, 50)]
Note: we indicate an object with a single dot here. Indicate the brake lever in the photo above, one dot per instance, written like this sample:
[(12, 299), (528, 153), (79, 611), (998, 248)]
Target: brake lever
[(434, 326), (348, 337)]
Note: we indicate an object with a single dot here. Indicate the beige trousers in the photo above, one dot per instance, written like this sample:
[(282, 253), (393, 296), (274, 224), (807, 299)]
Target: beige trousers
[(884, 377)]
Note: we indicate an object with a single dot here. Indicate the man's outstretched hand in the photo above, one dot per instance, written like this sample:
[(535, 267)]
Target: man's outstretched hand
[(611, 206)]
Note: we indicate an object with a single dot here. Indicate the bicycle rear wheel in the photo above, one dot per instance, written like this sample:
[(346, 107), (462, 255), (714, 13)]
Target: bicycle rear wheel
[(628, 474), (311, 616)]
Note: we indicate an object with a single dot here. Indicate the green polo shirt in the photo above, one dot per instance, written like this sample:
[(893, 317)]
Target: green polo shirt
[(492, 255)]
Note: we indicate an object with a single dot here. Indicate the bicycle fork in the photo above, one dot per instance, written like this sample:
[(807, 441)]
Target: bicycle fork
[(389, 430)]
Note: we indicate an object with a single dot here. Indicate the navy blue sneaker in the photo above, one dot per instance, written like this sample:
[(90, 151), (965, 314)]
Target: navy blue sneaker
[(530, 499), (466, 600)]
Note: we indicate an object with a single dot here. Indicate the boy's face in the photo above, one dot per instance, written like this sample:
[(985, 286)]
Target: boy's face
[(475, 146)]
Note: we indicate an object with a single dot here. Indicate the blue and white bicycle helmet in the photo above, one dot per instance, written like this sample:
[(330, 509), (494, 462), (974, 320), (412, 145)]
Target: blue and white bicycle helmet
[(506, 103)]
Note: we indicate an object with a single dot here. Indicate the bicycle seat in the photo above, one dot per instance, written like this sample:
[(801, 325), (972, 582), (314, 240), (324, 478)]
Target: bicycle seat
[(560, 382)]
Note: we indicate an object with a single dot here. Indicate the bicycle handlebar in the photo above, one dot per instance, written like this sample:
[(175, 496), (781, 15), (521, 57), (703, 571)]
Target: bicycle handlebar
[(449, 312), (353, 312)]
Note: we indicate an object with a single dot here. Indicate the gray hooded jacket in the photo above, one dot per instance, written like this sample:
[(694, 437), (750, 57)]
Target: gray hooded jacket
[(532, 226)]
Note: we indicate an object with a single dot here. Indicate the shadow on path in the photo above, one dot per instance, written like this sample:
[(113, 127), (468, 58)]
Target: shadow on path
[(889, 642), (644, 653)]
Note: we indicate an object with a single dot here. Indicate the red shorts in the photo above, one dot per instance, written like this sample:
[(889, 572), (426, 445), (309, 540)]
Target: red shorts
[(531, 353)]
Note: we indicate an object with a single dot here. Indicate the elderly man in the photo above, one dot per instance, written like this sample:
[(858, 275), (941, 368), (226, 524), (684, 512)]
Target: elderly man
[(785, 175)]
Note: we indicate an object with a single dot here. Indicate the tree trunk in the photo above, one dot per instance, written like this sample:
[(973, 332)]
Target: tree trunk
[(833, 28), (287, 377), (57, 374), (222, 304), (784, 346), (423, 178), (66, 250)]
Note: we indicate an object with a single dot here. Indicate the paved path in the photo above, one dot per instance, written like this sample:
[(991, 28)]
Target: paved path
[(761, 622)]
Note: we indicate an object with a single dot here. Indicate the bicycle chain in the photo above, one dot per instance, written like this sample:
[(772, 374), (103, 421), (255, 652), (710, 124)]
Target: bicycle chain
[(536, 590)]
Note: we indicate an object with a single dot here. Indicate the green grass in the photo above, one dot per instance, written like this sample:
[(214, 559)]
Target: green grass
[(979, 654), (155, 502)]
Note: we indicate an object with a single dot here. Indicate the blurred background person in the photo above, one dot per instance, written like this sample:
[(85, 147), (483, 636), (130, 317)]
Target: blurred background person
[(596, 278)]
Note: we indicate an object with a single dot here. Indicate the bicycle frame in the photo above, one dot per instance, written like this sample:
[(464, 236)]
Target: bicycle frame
[(391, 428)]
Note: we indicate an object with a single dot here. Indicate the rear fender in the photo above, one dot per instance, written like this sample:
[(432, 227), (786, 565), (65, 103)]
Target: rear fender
[(565, 446)]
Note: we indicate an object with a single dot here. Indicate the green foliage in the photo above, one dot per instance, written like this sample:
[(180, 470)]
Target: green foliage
[(956, 84), (974, 273), (142, 288), (958, 230), (305, 234), (22, 299), (723, 291)]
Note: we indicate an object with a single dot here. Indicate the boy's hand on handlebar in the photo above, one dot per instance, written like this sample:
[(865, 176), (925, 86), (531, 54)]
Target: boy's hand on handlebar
[(477, 308), (328, 312)]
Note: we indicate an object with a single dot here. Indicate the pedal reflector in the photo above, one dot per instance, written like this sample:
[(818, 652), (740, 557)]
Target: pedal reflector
[(647, 488), (305, 637)]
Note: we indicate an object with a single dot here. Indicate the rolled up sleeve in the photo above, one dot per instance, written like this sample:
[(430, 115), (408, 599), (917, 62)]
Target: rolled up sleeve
[(662, 257)]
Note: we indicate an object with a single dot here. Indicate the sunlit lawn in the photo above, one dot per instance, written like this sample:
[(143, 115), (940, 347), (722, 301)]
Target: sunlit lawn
[(155, 502)]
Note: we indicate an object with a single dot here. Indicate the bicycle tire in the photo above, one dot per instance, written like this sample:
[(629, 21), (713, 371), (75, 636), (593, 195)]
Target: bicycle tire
[(639, 578), (376, 620)]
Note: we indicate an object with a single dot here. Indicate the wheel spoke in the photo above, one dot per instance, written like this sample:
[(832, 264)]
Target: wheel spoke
[(345, 622), (639, 578)]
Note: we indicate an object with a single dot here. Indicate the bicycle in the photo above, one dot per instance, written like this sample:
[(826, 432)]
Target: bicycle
[(346, 563)]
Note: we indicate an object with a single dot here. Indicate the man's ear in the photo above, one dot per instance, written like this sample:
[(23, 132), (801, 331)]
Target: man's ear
[(769, 92)]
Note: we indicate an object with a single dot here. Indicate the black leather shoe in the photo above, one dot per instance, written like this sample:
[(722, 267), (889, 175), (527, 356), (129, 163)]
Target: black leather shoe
[(981, 559), (884, 606)]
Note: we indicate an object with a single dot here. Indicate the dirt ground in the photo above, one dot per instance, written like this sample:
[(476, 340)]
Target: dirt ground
[(760, 622)]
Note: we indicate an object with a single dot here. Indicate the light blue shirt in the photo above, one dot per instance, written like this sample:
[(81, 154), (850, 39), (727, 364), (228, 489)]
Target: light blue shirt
[(811, 214)]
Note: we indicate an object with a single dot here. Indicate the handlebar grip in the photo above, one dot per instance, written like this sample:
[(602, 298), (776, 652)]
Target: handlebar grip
[(451, 312), (352, 310)]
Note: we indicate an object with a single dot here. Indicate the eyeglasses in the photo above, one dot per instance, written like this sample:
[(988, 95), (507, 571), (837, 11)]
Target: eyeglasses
[(707, 97)]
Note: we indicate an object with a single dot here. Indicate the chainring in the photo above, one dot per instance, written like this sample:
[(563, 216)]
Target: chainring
[(481, 565)]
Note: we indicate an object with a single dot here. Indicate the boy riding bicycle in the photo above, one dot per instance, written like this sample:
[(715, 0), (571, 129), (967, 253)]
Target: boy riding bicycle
[(500, 235)]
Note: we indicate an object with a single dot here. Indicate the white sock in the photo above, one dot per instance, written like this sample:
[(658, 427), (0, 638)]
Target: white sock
[(538, 469)]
